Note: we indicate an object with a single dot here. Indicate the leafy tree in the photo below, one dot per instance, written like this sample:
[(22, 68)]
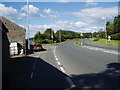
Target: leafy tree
[(48, 33), (110, 28), (116, 24)]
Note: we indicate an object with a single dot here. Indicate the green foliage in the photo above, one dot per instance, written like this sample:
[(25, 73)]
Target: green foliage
[(96, 39), (113, 27), (87, 35), (110, 28), (115, 36), (117, 24), (102, 34)]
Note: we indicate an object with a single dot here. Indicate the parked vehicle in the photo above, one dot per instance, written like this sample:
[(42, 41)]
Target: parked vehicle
[(38, 47)]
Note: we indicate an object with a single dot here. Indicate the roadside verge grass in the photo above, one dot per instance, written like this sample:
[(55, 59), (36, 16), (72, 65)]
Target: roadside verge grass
[(105, 42), (78, 43)]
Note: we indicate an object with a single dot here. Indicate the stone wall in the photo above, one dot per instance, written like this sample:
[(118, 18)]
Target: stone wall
[(16, 33)]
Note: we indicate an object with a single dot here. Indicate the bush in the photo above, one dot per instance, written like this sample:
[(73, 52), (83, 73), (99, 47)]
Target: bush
[(115, 36), (96, 39), (45, 41)]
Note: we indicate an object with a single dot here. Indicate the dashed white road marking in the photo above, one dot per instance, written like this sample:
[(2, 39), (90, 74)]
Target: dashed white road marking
[(35, 62), (55, 56), (31, 76), (57, 59), (59, 63), (34, 67), (62, 69), (72, 85)]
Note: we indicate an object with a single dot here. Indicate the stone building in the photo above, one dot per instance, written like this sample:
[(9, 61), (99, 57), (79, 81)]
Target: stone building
[(5, 45), (15, 33)]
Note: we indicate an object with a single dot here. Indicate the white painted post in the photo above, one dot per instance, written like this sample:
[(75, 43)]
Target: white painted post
[(109, 38)]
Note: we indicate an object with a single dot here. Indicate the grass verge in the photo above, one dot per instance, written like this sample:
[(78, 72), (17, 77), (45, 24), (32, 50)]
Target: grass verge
[(105, 42), (78, 43)]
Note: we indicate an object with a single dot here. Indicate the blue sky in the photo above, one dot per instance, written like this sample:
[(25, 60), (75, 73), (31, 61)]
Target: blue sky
[(75, 16)]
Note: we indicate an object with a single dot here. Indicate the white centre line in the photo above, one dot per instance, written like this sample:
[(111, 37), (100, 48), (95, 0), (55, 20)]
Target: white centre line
[(72, 85), (59, 63), (57, 59), (31, 76), (34, 67), (55, 56), (62, 69)]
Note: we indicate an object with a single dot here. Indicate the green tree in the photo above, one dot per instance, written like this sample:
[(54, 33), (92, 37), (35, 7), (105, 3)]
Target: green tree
[(116, 24)]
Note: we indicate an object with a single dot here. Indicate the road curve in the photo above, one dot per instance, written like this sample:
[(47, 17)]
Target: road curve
[(78, 60)]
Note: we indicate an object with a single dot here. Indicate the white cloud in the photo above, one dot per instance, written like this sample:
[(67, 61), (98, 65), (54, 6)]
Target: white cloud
[(64, 1), (11, 13), (51, 13), (32, 9), (90, 3), (94, 15), (48, 11), (53, 16), (65, 25)]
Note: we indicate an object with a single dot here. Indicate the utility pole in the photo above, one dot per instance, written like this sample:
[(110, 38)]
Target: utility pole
[(28, 24), (105, 28), (59, 35), (52, 30)]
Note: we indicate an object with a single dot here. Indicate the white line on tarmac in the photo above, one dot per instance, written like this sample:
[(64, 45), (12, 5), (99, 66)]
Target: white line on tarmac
[(57, 59), (55, 56), (35, 62), (34, 67), (62, 69), (31, 76), (72, 85), (59, 63)]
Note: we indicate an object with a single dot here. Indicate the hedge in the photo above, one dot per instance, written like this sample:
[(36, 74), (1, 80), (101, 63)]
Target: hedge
[(115, 36)]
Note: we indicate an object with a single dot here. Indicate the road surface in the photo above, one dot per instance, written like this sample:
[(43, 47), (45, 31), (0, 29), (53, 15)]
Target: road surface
[(88, 68), (80, 60)]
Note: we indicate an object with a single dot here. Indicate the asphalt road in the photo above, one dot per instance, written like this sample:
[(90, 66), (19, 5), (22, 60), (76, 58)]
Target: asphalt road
[(83, 68), (89, 68), (38, 70), (79, 60)]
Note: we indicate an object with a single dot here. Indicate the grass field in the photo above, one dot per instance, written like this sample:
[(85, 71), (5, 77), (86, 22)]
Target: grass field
[(105, 42)]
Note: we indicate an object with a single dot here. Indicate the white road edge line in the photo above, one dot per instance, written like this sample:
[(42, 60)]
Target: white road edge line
[(72, 85)]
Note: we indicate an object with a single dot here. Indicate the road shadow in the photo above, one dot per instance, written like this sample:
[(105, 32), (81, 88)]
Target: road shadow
[(106, 79), (42, 50), (20, 73)]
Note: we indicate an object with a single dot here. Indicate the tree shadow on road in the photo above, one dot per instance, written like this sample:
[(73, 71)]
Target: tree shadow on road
[(106, 79), (30, 72)]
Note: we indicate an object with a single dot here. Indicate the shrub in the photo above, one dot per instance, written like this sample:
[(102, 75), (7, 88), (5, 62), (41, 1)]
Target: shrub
[(45, 41), (115, 36), (96, 39)]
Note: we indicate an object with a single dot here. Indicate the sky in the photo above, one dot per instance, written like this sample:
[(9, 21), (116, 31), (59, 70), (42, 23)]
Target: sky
[(83, 17)]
